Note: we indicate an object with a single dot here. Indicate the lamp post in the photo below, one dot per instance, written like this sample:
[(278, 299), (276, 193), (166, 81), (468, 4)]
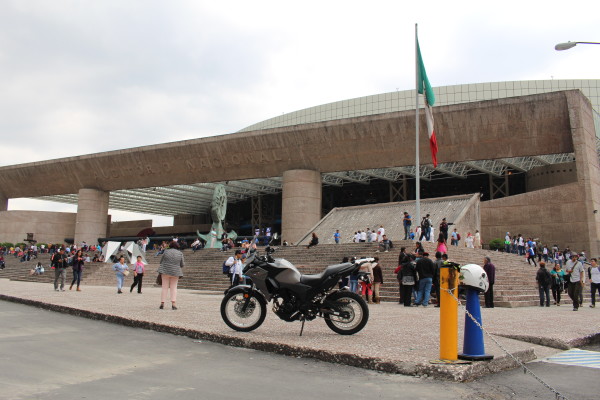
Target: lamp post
[(570, 45)]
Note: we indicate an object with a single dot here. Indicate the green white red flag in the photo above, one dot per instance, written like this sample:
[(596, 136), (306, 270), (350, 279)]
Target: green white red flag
[(425, 89)]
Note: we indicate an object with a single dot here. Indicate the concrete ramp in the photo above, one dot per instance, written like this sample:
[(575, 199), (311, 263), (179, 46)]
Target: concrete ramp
[(462, 211)]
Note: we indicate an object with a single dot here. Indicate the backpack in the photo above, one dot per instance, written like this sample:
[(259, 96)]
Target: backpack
[(225, 268), (458, 236), (426, 223)]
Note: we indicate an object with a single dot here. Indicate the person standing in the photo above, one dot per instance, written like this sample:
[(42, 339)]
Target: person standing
[(441, 241), (544, 280), (377, 280), (507, 242), (78, 262), (380, 233), (490, 270), (425, 228), (444, 229), (235, 268), (594, 275), (477, 240), (454, 238), (407, 223), (576, 271), (403, 258), (121, 270), (170, 268), (425, 272), (558, 277), (521, 244), (436, 276), (59, 262), (343, 281), (408, 278), (138, 275), (337, 236), (365, 277)]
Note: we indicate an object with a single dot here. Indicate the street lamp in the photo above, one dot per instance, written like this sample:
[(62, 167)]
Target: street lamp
[(569, 45)]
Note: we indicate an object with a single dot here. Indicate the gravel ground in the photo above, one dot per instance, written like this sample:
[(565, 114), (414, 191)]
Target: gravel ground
[(396, 339)]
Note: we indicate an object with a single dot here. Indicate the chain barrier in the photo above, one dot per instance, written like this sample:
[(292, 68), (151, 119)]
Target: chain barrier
[(526, 370)]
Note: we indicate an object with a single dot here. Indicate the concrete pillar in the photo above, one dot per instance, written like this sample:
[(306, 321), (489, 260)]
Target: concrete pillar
[(301, 203), (3, 202), (92, 211)]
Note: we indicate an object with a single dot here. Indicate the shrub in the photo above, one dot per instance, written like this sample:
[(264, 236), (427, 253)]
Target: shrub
[(496, 244)]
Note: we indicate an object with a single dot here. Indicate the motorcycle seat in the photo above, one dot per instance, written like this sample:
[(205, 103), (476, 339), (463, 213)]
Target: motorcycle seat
[(316, 279)]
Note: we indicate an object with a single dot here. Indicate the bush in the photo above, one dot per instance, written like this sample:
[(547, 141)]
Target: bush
[(20, 245), (496, 244), (8, 245)]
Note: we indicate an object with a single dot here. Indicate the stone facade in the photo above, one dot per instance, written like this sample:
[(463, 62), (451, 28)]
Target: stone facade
[(549, 123), (47, 227)]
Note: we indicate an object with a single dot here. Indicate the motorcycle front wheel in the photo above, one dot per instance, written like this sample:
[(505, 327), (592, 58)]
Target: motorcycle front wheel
[(242, 311), (354, 309)]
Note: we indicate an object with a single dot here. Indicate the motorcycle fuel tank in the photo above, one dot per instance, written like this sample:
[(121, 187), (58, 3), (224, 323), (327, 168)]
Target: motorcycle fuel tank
[(289, 274)]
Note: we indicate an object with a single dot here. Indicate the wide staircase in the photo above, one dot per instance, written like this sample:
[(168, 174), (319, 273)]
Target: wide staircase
[(515, 278)]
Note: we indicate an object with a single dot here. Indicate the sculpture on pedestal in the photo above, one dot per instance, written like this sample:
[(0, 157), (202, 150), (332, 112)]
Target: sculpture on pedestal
[(217, 211)]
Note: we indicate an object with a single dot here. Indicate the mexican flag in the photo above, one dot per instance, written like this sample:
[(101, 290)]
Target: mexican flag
[(425, 88)]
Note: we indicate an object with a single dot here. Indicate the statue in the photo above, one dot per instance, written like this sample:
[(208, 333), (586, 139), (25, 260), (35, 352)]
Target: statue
[(217, 211)]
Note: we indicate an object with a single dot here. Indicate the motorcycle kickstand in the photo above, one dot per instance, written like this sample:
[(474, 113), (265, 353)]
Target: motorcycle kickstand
[(302, 327)]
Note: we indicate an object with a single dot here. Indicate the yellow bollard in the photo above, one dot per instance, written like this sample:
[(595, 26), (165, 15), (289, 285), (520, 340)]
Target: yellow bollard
[(448, 313)]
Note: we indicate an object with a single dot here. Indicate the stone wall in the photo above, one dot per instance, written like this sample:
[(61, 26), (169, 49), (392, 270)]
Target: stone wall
[(555, 215), (129, 228), (47, 227), (551, 175)]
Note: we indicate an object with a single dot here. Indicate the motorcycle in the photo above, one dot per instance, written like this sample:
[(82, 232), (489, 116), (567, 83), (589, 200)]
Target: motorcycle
[(295, 297)]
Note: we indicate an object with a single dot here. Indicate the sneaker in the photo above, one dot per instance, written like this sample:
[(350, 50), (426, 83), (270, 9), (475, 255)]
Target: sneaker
[(56, 290), (575, 309), (62, 289), (592, 306)]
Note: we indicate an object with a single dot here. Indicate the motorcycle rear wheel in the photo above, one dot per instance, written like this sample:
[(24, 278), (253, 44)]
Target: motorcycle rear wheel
[(355, 306), (243, 320)]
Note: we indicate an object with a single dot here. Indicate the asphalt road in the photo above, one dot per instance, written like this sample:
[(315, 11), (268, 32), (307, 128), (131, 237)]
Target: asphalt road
[(48, 355)]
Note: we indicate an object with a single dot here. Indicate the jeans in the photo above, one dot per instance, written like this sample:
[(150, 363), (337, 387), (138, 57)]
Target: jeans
[(556, 289), (424, 291), (406, 231), (137, 281), (489, 296), (60, 274), (120, 279), (544, 293), (353, 285), (574, 292), (406, 292), (76, 277), (595, 287)]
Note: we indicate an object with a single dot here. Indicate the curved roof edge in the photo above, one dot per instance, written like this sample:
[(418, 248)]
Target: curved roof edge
[(445, 95)]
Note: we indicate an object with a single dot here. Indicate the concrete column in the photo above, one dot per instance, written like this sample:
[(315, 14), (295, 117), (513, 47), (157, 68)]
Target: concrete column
[(92, 211), (301, 203), (3, 202)]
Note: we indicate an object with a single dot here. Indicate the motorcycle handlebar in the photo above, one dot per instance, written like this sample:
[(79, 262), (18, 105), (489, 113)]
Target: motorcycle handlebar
[(364, 260)]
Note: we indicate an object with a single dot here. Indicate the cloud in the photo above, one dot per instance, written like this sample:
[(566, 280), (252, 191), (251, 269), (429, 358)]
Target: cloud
[(84, 77)]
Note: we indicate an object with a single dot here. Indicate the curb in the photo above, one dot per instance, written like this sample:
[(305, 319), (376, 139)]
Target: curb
[(457, 373)]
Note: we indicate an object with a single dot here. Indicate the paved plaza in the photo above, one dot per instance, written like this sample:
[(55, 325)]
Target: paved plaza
[(396, 339)]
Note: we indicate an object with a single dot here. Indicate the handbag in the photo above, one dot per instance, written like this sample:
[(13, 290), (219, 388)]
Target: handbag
[(126, 272), (408, 280), (159, 279)]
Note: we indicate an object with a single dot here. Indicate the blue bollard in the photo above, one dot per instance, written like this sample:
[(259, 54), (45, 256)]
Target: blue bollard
[(473, 348)]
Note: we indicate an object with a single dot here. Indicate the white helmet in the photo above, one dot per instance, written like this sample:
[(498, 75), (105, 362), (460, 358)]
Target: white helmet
[(473, 276)]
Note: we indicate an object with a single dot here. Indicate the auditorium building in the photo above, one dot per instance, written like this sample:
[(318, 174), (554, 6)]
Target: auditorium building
[(528, 149)]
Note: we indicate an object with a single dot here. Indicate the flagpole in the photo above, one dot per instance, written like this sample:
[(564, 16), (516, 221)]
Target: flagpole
[(417, 169)]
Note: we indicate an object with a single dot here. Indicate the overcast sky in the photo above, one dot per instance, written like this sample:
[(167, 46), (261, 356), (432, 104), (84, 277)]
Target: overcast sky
[(79, 77)]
